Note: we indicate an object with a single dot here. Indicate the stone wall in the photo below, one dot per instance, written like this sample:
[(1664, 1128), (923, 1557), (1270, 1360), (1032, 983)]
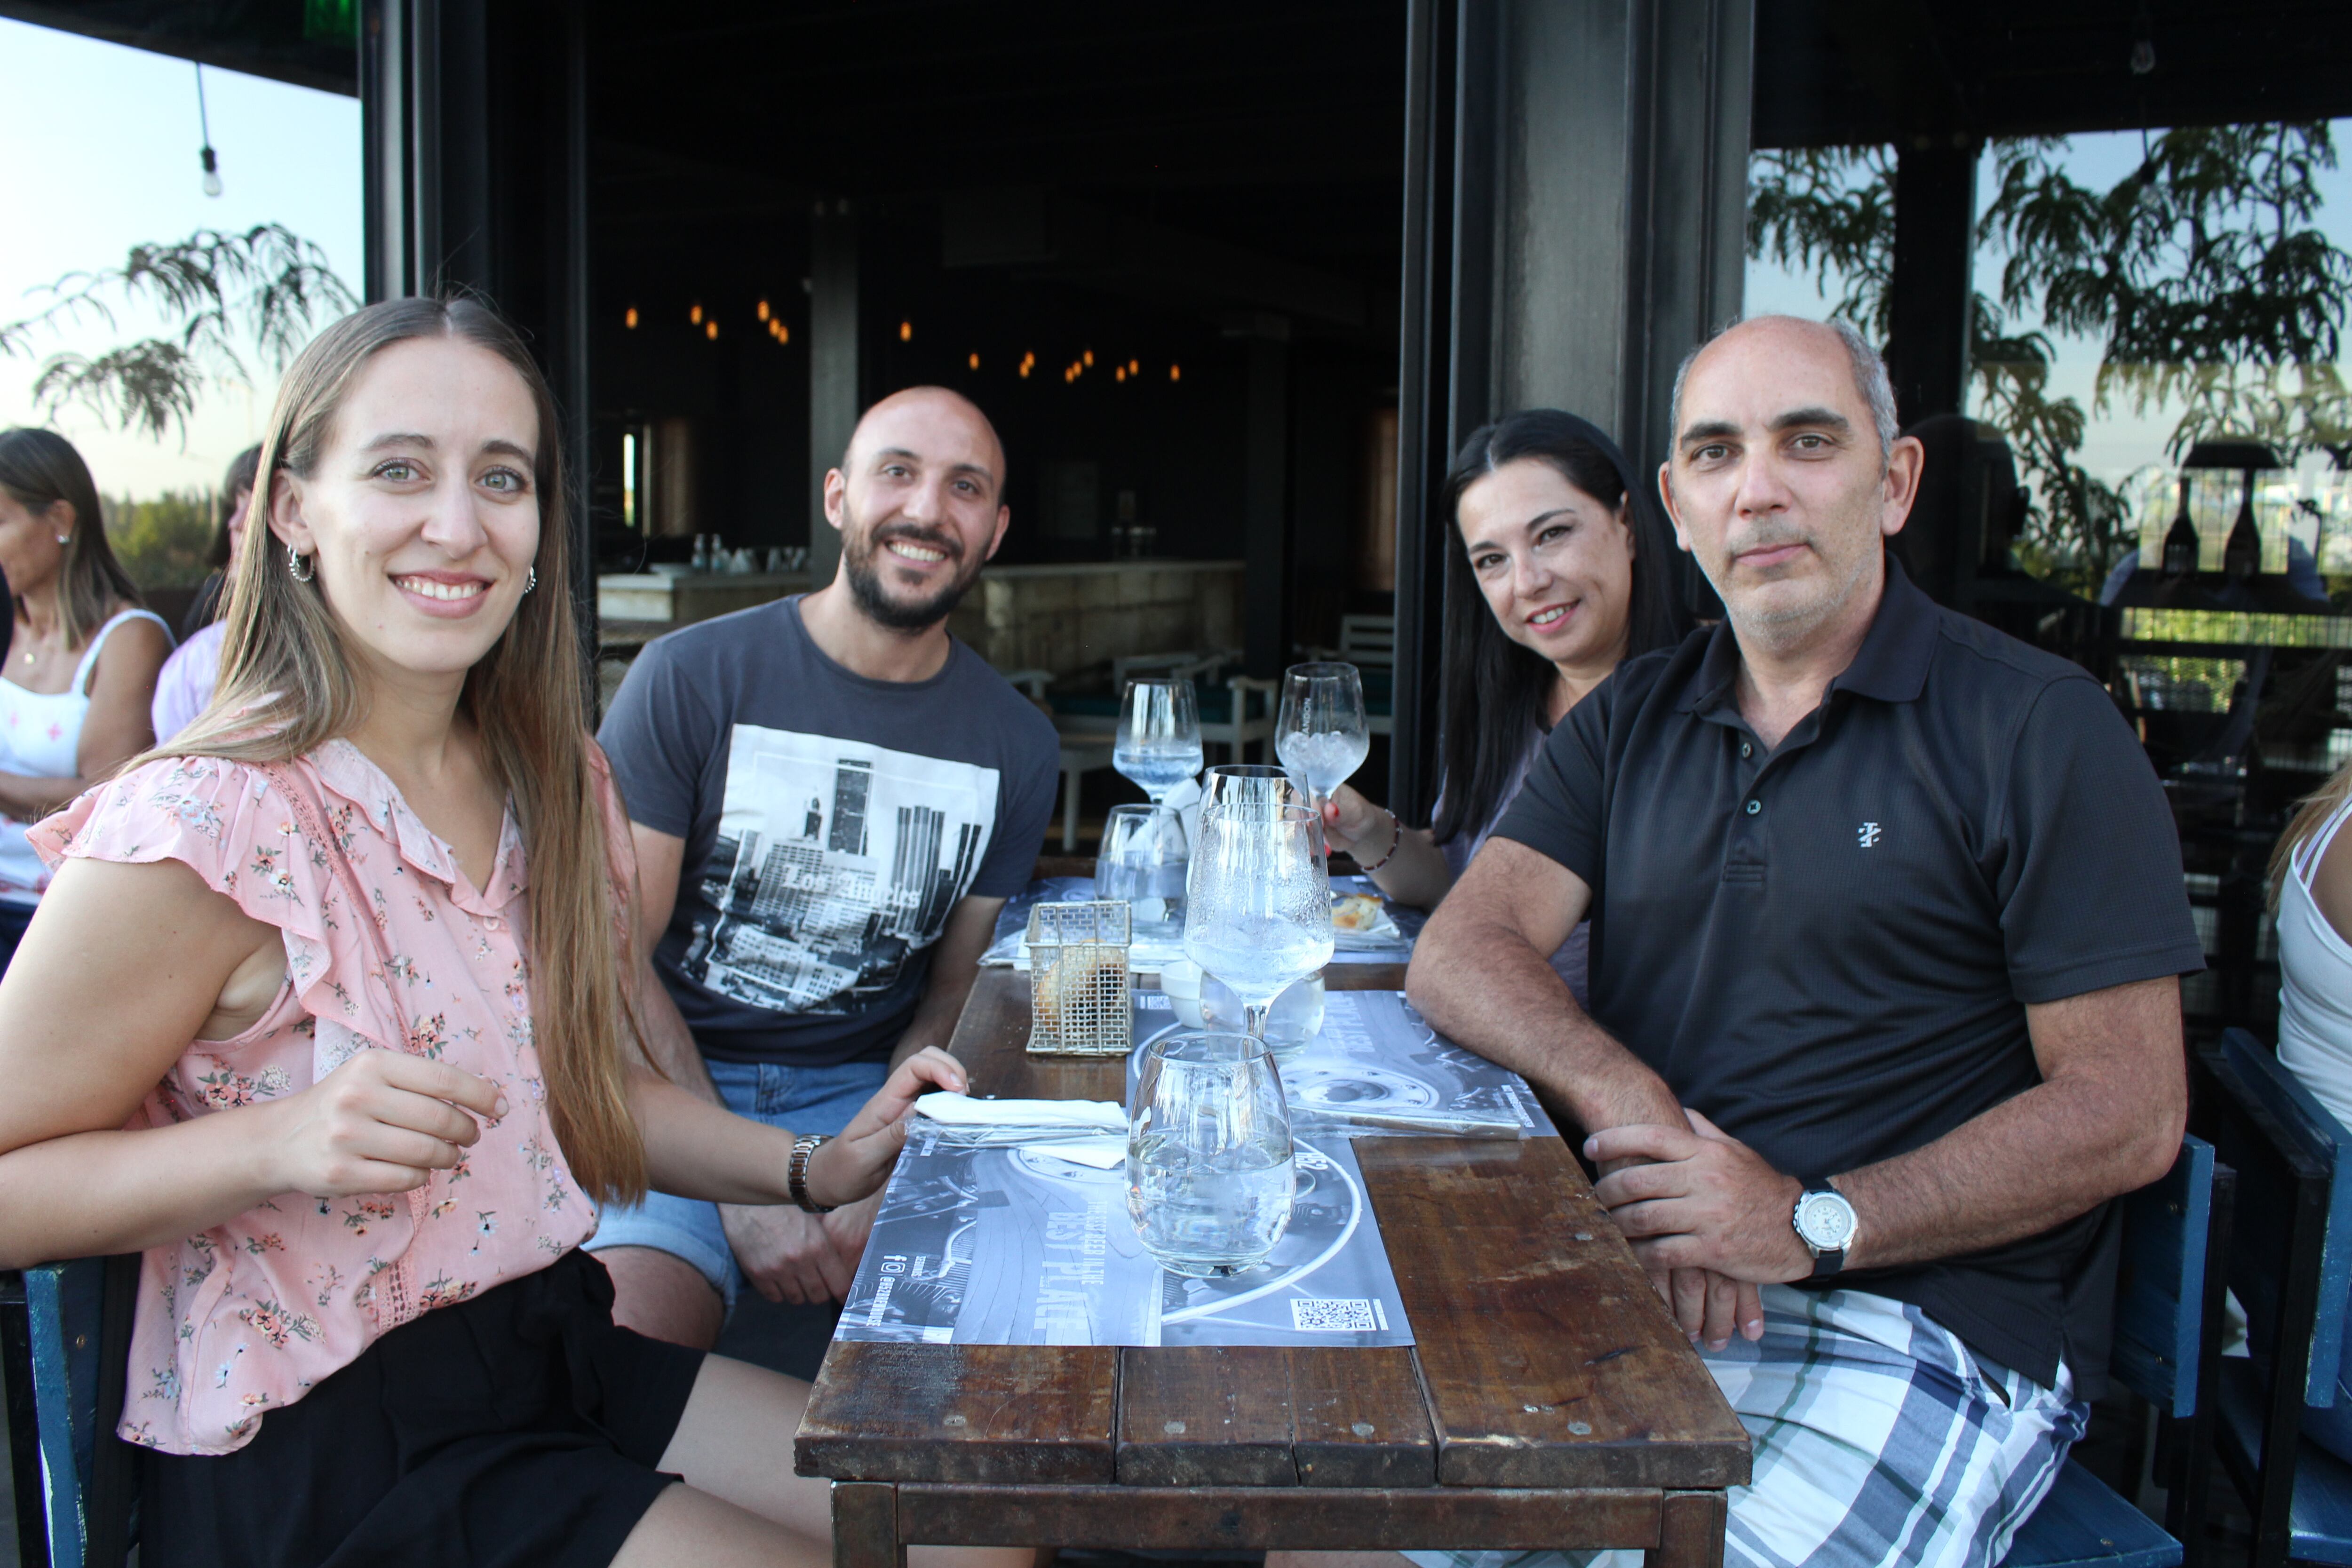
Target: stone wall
[(1064, 619)]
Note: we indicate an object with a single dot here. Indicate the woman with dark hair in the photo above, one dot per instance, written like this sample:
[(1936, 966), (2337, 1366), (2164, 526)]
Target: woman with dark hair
[(189, 675), (82, 655), (1556, 575)]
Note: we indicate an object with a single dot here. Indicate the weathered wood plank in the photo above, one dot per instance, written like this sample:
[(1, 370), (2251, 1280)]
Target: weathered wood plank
[(1205, 1416), (1549, 1361), (1003, 1414), (1303, 1518), (1690, 1531), (865, 1527), (1358, 1419)]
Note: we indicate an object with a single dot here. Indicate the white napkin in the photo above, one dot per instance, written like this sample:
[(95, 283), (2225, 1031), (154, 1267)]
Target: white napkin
[(1082, 1116), (1185, 801)]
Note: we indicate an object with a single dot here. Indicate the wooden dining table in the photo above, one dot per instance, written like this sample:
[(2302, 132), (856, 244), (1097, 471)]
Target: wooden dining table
[(1548, 1400)]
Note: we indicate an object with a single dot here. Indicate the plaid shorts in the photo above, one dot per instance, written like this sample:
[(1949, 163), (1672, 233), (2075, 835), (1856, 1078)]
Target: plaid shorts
[(1881, 1441)]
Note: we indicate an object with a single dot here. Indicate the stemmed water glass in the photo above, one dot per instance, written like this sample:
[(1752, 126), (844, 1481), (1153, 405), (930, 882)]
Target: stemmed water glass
[(1143, 861), (1159, 739), (1321, 735), (1258, 902)]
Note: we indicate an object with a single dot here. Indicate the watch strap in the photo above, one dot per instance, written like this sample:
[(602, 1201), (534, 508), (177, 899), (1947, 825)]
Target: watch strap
[(804, 1148), (1826, 1261)]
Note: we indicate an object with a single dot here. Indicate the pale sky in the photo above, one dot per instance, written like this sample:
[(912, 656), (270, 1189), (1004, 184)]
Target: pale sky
[(98, 152)]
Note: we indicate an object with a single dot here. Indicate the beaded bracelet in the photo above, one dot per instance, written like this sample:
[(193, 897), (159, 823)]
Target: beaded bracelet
[(1396, 842)]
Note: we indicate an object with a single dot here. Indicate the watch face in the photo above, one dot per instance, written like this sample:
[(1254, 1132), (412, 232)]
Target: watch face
[(1826, 1221)]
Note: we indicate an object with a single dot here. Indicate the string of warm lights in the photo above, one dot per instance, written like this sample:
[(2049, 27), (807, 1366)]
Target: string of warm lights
[(773, 322)]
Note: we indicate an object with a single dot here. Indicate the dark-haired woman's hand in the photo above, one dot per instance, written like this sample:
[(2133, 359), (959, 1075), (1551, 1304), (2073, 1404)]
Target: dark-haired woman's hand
[(859, 1161), (1349, 821)]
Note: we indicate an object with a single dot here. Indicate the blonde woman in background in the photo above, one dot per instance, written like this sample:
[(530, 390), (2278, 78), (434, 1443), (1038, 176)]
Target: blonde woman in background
[(82, 655), (363, 1080), (2310, 888)]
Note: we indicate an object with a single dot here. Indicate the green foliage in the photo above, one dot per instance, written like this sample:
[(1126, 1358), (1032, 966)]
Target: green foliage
[(2200, 272), (261, 290), (162, 542)]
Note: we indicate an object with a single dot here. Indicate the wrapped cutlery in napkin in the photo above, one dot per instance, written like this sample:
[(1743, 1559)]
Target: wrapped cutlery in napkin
[(967, 1120)]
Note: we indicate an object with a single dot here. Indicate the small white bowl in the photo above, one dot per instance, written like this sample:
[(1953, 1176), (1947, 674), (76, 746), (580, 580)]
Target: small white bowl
[(1180, 982)]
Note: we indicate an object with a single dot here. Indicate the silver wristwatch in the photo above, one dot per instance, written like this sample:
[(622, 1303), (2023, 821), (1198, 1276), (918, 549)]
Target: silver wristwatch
[(1825, 1223)]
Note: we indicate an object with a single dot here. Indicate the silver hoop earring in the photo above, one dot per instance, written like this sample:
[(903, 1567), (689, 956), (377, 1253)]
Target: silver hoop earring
[(531, 581), (298, 565)]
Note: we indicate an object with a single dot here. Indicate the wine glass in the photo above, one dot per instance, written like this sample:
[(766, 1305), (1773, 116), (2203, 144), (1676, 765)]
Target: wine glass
[(1321, 735), (1143, 861), (1258, 914), (1159, 739), (1208, 1167)]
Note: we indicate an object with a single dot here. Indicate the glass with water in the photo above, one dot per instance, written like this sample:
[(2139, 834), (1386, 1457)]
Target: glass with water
[(1258, 904), (1159, 739), (1142, 860), (1208, 1172)]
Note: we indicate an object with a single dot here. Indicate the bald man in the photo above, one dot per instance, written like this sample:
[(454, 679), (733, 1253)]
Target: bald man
[(831, 799), (1887, 922)]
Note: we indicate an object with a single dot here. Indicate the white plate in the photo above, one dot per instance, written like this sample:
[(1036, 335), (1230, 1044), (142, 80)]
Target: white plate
[(1382, 932)]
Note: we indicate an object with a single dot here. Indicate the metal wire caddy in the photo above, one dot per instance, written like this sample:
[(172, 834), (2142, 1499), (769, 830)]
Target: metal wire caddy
[(1077, 979)]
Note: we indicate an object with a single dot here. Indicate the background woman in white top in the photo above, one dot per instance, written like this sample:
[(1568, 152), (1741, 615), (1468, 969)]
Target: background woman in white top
[(82, 655), (2311, 879)]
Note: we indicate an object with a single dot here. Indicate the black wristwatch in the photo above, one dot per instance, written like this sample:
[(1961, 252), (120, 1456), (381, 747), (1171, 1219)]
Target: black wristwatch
[(1825, 1223)]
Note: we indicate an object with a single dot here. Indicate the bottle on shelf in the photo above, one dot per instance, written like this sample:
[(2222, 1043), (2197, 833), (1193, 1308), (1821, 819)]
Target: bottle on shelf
[(701, 552), (2180, 541), (2242, 557)]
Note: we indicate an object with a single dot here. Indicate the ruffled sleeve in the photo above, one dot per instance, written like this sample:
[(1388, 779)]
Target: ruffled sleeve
[(227, 822)]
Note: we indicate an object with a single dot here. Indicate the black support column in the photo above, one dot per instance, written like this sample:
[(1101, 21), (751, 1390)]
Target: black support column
[(1576, 180), (835, 390), (1935, 241), (467, 188), (1265, 500)]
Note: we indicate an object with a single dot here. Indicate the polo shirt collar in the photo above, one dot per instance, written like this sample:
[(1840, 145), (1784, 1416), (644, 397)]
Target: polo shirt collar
[(1890, 667)]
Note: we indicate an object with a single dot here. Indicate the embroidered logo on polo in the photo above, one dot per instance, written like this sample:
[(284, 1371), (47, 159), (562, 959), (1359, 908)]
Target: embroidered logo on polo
[(1867, 834)]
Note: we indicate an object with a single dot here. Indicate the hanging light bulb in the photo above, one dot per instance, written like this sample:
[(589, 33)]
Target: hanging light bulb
[(973, 361), (204, 126), (1120, 374), (763, 310), (694, 313), (1175, 373), (1134, 367), (1090, 358), (630, 320), (906, 331), (1024, 370), (710, 330), (783, 332)]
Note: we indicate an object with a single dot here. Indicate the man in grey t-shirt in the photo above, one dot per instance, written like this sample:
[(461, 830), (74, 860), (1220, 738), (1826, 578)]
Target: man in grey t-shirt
[(831, 799)]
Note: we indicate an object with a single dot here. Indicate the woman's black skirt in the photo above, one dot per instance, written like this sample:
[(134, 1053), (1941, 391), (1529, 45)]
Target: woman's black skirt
[(521, 1427)]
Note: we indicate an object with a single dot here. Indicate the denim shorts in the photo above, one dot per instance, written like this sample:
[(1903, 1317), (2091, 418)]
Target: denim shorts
[(806, 1100)]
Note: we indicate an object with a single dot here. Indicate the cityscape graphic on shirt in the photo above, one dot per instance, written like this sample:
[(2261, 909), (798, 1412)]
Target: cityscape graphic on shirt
[(835, 862)]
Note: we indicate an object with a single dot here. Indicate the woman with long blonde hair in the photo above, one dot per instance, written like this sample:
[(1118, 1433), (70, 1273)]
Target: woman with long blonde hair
[(327, 1012)]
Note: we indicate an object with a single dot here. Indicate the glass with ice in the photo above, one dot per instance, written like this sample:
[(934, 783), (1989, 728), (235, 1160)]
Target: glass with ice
[(1257, 902), (1321, 735), (1159, 739), (1208, 1172)]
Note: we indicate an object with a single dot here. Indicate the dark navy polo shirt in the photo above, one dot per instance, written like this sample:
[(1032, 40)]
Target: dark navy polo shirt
[(1828, 948)]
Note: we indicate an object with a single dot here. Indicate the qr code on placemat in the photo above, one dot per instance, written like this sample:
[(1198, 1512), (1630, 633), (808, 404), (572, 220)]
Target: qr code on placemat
[(1332, 1314)]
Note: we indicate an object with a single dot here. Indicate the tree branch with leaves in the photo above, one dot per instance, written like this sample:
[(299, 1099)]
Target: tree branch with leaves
[(258, 291)]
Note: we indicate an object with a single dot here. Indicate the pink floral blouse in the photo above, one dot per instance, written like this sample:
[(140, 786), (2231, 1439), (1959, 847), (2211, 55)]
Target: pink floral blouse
[(253, 1313)]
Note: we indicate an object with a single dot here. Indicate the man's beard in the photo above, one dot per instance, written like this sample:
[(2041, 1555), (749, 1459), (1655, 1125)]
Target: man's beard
[(860, 554)]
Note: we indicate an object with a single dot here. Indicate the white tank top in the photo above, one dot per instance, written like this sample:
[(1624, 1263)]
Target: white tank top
[(2315, 981), (40, 738)]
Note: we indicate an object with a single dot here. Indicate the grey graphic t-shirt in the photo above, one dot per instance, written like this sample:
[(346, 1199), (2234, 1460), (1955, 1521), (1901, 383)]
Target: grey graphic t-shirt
[(831, 822)]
